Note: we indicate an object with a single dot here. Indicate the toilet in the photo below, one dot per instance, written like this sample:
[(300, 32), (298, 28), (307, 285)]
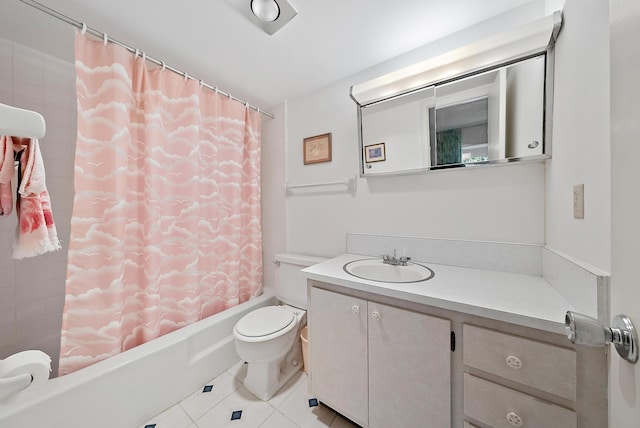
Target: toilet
[(268, 338)]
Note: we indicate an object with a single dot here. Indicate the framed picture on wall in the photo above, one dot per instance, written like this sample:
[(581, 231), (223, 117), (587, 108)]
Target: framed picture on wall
[(374, 153), (317, 149)]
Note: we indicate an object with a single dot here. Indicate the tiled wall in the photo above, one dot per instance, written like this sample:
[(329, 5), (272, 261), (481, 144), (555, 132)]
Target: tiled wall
[(32, 290)]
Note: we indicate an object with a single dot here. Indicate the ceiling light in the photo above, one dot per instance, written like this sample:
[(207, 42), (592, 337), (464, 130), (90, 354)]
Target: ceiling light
[(265, 10), (269, 15)]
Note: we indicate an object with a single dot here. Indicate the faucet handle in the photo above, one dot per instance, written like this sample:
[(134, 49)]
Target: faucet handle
[(403, 260)]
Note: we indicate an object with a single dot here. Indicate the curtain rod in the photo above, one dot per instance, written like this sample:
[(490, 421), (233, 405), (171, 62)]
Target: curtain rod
[(104, 36)]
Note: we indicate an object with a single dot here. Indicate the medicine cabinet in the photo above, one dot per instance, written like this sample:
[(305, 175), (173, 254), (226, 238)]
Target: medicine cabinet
[(433, 116)]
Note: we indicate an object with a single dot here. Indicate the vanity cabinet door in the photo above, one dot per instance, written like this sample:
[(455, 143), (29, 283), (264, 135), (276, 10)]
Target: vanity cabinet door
[(409, 369), (338, 352)]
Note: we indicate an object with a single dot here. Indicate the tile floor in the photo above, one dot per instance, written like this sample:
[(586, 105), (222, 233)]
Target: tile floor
[(225, 402)]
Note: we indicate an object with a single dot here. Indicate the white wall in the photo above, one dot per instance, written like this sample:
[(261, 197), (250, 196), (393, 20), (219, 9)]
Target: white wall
[(495, 204), (501, 204), (624, 378), (272, 176), (581, 150), (32, 290)]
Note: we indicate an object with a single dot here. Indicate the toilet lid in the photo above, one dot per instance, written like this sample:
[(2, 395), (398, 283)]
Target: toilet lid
[(264, 321)]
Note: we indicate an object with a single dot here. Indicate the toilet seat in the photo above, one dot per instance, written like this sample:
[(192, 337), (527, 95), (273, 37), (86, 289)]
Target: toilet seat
[(265, 323)]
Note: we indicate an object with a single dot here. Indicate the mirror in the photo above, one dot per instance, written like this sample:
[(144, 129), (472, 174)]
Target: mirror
[(488, 117)]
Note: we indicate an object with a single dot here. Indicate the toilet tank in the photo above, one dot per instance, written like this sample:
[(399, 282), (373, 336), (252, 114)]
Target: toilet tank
[(290, 283)]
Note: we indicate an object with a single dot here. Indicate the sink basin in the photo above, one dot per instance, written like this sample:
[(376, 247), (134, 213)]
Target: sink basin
[(375, 270)]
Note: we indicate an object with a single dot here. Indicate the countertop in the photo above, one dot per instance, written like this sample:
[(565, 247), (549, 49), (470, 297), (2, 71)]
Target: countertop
[(510, 297)]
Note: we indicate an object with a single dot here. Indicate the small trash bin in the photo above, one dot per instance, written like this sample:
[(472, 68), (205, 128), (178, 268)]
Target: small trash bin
[(305, 347)]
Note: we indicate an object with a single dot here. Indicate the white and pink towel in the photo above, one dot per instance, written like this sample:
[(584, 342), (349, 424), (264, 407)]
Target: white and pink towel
[(6, 175), (36, 232)]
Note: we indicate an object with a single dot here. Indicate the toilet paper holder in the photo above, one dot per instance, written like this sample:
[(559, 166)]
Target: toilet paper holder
[(585, 330)]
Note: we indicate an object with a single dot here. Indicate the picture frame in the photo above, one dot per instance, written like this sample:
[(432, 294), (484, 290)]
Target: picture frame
[(317, 149), (374, 153)]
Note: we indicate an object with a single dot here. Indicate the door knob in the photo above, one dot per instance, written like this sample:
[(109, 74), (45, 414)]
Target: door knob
[(584, 330)]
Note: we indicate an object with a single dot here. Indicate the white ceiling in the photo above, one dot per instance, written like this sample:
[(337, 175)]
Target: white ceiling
[(211, 40)]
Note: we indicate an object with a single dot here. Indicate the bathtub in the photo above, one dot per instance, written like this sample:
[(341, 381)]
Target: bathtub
[(128, 389)]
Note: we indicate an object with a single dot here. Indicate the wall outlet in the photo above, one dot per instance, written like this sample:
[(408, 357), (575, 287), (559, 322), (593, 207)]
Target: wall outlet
[(578, 201)]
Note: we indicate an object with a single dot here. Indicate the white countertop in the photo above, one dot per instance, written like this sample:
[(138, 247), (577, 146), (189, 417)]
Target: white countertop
[(515, 298)]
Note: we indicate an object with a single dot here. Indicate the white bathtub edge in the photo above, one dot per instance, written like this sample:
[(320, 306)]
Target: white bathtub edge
[(130, 388)]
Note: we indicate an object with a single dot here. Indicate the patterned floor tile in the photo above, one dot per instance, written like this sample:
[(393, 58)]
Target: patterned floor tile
[(278, 420), (254, 411), (201, 401), (174, 417), (213, 406), (296, 407)]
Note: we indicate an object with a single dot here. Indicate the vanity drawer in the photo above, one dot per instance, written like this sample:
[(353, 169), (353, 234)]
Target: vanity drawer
[(501, 407), (539, 365)]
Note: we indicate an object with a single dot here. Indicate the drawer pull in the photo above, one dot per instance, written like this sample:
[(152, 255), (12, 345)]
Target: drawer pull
[(514, 362), (514, 419), (355, 309), (375, 315)]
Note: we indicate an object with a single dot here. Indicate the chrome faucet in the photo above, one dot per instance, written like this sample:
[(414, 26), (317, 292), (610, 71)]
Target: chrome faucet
[(394, 261)]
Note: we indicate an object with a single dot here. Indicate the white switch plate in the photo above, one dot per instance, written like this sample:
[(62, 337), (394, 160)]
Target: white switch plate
[(578, 201)]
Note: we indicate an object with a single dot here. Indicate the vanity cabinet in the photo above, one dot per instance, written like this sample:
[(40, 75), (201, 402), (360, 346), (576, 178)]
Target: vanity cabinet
[(378, 364), (466, 349), (338, 352), (501, 364)]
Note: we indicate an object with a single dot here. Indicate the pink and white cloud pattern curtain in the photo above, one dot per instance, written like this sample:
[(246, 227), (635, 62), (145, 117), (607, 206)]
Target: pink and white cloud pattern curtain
[(166, 219)]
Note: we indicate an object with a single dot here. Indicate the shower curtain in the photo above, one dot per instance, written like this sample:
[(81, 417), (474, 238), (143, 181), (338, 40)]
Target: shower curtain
[(166, 218)]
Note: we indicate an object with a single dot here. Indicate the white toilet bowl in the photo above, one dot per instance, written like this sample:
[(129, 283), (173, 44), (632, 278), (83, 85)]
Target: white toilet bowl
[(268, 339)]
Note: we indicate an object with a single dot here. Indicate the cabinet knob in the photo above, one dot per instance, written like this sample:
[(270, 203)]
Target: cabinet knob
[(514, 362), (355, 309), (375, 315), (514, 419)]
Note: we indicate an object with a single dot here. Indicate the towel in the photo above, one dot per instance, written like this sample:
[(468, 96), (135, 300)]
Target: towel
[(36, 230), (7, 171)]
